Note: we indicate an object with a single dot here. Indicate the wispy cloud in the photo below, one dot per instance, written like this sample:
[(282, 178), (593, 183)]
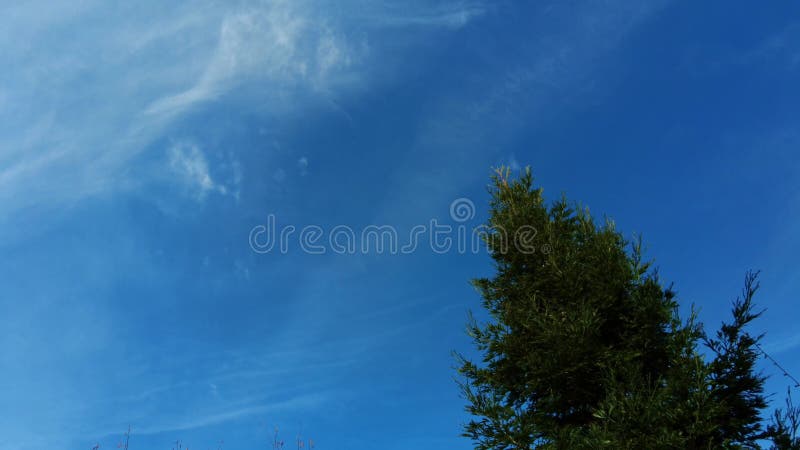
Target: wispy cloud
[(214, 418), (455, 15), (781, 345), (279, 43), (778, 49), (95, 86), (302, 165), (189, 163), (549, 73)]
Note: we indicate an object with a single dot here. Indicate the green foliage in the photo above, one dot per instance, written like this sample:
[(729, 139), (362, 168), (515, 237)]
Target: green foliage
[(584, 347)]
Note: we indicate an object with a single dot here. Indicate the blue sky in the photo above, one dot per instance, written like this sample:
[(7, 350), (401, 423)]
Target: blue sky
[(141, 143)]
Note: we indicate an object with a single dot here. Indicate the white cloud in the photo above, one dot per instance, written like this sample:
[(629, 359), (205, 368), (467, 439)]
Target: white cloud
[(94, 85), (280, 43), (200, 420), (513, 164), (449, 15), (189, 163), (302, 166), (782, 343)]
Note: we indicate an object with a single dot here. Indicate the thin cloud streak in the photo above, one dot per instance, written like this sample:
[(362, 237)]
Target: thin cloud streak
[(782, 344), (296, 403)]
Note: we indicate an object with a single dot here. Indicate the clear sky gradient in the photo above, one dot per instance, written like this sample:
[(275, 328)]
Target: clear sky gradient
[(141, 142)]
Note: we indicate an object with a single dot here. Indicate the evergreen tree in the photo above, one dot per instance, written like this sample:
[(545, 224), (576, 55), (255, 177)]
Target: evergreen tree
[(584, 347)]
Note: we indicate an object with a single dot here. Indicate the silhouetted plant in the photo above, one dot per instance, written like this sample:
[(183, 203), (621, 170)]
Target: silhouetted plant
[(785, 425)]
